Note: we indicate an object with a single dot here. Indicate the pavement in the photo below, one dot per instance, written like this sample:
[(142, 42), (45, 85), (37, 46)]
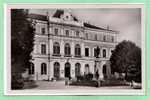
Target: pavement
[(58, 85)]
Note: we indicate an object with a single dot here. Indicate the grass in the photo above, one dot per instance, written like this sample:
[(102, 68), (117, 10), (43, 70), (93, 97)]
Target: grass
[(29, 85)]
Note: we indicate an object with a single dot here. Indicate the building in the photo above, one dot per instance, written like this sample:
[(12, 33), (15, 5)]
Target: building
[(66, 47)]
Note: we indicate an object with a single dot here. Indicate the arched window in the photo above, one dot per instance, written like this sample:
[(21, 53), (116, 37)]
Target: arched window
[(43, 49), (77, 50), (104, 52), (43, 69), (67, 69), (77, 34), (31, 69), (104, 38), (77, 69), (87, 69), (56, 70), (67, 49), (86, 52), (67, 32), (56, 31), (56, 48)]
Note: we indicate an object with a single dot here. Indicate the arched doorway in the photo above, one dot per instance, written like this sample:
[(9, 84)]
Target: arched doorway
[(67, 70), (87, 69), (77, 69), (56, 70)]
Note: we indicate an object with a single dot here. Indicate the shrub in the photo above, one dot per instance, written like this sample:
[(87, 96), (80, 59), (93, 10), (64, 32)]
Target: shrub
[(17, 81), (79, 78), (89, 76)]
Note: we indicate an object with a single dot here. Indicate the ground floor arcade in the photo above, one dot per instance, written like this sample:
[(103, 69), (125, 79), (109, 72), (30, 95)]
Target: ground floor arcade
[(42, 69)]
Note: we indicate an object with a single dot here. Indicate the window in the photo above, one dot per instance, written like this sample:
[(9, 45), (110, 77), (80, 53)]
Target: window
[(104, 38), (77, 33), (56, 48), (43, 30), (56, 31), (77, 69), (67, 32), (104, 52), (43, 69), (95, 52), (56, 70), (77, 50), (43, 49), (31, 69), (95, 36), (86, 52), (87, 69), (112, 39), (86, 35), (67, 49)]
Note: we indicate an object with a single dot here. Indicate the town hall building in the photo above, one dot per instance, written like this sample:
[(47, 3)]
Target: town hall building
[(65, 47)]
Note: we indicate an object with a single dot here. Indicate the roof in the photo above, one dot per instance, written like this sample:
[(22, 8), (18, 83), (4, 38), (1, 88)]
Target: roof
[(38, 17), (58, 13), (96, 27), (92, 26)]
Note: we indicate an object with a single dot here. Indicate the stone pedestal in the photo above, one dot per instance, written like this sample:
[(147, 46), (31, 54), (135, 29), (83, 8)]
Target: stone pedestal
[(99, 68)]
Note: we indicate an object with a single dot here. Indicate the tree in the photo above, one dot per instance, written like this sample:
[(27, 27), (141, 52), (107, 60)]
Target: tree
[(22, 34), (126, 58)]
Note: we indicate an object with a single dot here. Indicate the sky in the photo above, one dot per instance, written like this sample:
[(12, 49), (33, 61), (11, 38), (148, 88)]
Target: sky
[(125, 20)]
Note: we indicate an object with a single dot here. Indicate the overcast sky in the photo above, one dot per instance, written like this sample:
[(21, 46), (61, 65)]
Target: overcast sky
[(125, 20)]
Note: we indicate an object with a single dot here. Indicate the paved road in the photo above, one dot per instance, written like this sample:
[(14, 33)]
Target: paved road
[(45, 85)]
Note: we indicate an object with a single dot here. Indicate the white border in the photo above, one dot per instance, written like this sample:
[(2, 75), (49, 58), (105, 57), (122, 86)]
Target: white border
[(7, 56)]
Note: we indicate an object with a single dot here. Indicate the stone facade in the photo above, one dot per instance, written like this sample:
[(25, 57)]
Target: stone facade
[(65, 46)]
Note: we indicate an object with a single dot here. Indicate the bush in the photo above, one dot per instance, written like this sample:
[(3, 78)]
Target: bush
[(85, 77), (84, 83), (17, 81), (79, 78), (89, 76)]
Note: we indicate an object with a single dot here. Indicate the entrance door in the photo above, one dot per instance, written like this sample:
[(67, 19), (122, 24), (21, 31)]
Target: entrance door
[(67, 70), (56, 70)]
